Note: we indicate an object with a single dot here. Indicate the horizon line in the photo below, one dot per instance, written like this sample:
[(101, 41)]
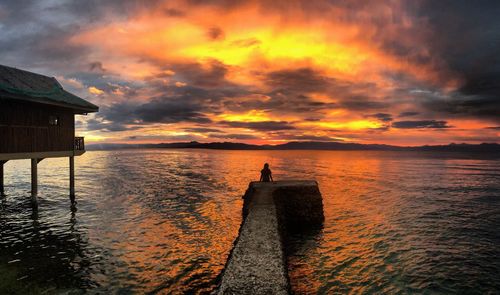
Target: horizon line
[(299, 142)]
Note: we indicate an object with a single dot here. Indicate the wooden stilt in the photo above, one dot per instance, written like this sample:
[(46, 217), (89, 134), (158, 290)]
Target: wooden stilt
[(2, 189), (34, 177), (34, 180), (72, 179)]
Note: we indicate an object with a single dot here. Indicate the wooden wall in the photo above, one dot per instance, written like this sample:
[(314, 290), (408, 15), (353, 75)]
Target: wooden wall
[(24, 127)]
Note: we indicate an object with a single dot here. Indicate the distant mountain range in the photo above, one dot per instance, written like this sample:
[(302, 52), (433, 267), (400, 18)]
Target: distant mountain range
[(305, 145)]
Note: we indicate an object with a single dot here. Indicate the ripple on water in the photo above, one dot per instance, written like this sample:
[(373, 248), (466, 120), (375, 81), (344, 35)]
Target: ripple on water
[(165, 220)]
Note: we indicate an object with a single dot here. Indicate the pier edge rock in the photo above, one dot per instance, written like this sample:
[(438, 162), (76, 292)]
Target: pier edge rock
[(300, 206), (257, 261)]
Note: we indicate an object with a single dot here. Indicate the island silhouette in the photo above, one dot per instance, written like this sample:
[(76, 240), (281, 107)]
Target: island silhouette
[(307, 145)]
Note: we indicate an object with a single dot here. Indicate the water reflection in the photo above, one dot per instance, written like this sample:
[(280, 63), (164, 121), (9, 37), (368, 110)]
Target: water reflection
[(153, 220), (165, 220), (37, 256), (403, 223), (301, 244)]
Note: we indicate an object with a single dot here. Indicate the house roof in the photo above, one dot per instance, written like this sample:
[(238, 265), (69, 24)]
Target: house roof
[(22, 85)]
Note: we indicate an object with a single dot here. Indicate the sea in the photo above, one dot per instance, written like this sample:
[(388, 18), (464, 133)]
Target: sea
[(163, 221)]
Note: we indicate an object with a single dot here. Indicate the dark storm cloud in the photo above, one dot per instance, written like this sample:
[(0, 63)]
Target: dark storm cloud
[(291, 89), (485, 84), (481, 107), (157, 110), (362, 103), (279, 102), (173, 104), (167, 111), (176, 138), (298, 80), (301, 104), (466, 34), (202, 84), (202, 130), (185, 105), (124, 116), (232, 136), (384, 117), (197, 75), (312, 138), (433, 124), (260, 126), (302, 81), (288, 92), (408, 114)]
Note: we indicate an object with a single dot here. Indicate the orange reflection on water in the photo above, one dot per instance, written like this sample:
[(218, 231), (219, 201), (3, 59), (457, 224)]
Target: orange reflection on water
[(165, 220), (350, 183)]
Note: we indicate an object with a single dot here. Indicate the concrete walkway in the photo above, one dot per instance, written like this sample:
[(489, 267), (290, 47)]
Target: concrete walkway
[(256, 265)]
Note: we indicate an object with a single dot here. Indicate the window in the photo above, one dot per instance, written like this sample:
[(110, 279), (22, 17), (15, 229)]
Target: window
[(54, 120)]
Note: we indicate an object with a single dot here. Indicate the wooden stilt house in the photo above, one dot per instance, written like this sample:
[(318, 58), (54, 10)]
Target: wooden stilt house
[(37, 121)]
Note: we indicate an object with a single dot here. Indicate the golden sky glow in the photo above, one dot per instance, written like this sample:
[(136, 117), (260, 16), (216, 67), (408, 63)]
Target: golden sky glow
[(273, 71)]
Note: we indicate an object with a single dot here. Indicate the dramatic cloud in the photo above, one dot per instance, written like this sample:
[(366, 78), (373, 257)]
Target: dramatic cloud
[(260, 126), (397, 71), (420, 124), (303, 80), (313, 138), (477, 107), (382, 117), (408, 114), (202, 130), (233, 136)]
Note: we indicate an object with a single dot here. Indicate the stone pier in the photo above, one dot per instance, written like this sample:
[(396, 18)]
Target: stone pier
[(257, 263)]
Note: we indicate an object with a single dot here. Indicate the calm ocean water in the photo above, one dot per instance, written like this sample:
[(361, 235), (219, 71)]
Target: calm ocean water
[(165, 220)]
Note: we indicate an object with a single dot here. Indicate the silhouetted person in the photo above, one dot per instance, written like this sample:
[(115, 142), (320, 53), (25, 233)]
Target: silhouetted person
[(265, 174)]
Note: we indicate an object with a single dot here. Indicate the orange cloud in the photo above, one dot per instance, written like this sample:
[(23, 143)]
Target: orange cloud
[(353, 52)]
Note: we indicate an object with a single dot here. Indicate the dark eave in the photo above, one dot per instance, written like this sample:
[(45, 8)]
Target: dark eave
[(46, 101), (21, 85)]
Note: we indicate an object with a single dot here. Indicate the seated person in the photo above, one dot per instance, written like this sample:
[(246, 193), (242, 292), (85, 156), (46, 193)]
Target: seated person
[(266, 174)]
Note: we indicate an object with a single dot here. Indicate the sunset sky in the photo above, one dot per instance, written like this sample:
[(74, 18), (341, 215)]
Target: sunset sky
[(394, 72)]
